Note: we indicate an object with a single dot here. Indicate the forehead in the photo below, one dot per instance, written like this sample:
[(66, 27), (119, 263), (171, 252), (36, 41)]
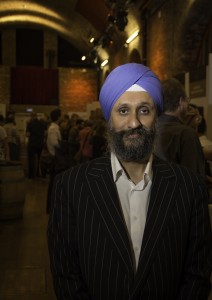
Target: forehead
[(134, 99)]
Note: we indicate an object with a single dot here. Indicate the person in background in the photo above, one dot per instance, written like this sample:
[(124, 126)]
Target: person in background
[(35, 131), (46, 157), (99, 139), (74, 140), (85, 139), (65, 125), (129, 225), (53, 132), (13, 137), (53, 143), (205, 142), (73, 119), (196, 121), (176, 141), (4, 147), (207, 150), (46, 120)]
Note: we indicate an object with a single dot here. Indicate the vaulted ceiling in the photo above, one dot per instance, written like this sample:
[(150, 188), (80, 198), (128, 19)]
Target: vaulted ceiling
[(76, 21), (79, 20), (70, 18)]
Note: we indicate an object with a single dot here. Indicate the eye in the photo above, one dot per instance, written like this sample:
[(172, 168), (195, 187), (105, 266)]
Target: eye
[(123, 110), (144, 110)]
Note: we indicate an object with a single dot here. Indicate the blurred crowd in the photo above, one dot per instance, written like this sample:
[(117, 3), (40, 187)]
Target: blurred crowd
[(60, 141)]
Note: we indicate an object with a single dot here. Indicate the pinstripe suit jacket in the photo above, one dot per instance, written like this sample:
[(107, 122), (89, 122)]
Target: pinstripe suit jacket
[(90, 250)]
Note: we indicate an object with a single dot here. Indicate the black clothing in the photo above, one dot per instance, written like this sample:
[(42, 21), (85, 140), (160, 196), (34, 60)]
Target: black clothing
[(178, 143), (89, 245), (36, 133)]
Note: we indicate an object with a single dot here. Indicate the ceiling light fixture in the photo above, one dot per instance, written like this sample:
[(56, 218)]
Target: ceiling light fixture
[(104, 63), (132, 37)]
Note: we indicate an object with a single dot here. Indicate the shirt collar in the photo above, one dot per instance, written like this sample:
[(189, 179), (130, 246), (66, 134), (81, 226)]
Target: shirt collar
[(118, 170)]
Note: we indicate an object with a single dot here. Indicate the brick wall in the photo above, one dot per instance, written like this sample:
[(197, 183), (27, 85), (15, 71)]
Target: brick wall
[(164, 43), (78, 87), (171, 34)]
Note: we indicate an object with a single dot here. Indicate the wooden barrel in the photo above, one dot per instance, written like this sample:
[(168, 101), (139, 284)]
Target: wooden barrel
[(12, 191)]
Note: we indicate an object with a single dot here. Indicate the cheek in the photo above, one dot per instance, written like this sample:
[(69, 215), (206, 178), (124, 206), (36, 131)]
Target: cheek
[(148, 122), (116, 123)]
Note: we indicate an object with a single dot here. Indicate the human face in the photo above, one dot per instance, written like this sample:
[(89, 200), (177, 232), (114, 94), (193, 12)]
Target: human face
[(132, 126)]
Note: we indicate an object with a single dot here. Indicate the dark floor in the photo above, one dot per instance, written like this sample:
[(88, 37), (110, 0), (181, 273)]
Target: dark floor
[(25, 273)]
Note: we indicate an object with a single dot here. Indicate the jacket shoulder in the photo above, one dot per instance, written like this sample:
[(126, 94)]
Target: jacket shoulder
[(180, 172)]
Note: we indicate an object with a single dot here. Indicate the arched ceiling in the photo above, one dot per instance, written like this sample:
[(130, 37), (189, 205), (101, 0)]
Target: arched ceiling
[(79, 20), (60, 16), (74, 20)]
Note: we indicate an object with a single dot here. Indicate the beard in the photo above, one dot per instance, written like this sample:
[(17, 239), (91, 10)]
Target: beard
[(133, 145)]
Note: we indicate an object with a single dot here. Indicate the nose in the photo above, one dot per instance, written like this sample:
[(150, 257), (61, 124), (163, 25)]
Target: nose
[(134, 121)]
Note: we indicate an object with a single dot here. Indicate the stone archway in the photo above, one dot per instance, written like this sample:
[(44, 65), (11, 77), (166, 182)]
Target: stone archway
[(135, 56)]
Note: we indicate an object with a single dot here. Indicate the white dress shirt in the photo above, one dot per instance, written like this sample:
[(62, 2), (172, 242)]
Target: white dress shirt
[(134, 200), (53, 137)]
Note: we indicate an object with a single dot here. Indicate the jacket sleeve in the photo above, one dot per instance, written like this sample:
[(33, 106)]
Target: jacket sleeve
[(195, 281), (64, 260), (192, 155)]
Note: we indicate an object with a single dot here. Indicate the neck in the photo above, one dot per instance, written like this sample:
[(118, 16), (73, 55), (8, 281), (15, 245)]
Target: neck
[(134, 170)]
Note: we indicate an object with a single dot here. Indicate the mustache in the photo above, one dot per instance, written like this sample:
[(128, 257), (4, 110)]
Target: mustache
[(141, 130)]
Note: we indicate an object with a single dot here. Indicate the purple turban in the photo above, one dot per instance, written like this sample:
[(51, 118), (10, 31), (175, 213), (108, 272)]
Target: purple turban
[(122, 78)]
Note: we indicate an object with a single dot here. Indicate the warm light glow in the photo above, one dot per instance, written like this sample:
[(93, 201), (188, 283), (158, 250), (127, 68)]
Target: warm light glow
[(15, 7), (92, 40), (83, 57), (22, 11), (132, 37), (104, 62), (36, 20)]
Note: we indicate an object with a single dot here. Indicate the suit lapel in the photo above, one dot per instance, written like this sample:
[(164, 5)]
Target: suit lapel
[(105, 198), (161, 203)]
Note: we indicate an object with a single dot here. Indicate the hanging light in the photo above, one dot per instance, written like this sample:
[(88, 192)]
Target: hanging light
[(132, 37), (104, 63)]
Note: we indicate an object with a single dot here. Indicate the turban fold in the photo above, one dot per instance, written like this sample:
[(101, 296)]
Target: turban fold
[(122, 78)]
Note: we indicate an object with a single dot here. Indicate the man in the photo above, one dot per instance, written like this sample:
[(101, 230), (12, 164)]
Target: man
[(74, 140), (175, 141), (53, 143), (129, 226), (35, 131), (53, 133)]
